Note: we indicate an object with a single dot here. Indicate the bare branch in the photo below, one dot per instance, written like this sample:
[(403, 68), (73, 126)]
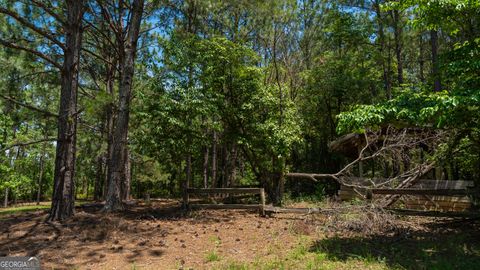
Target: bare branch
[(31, 107), (48, 10), (32, 26), (32, 51), (97, 56), (21, 144)]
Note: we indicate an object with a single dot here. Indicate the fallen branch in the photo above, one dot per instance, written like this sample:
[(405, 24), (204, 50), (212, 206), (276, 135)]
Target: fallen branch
[(28, 106), (21, 144)]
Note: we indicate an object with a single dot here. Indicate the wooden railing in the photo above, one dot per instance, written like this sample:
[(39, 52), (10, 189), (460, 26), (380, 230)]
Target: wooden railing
[(227, 191)]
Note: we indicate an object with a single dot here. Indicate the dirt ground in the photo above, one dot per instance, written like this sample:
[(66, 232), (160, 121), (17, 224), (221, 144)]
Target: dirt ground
[(160, 236)]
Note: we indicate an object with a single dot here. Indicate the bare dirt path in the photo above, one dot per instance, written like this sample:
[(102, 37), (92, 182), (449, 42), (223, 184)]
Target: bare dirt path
[(160, 236)]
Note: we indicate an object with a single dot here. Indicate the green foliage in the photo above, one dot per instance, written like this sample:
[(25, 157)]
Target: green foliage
[(411, 108)]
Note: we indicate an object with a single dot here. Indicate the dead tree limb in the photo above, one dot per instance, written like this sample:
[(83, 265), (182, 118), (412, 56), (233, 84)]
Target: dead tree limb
[(21, 144), (396, 145)]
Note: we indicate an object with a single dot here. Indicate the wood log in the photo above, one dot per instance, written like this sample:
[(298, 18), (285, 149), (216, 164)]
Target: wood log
[(408, 212), (414, 191), (225, 206), (224, 190), (272, 209)]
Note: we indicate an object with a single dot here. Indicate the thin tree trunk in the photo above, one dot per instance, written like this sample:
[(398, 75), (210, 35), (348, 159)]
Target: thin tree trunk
[(63, 199), (127, 182), (186, 181), (225, 158), (110, 119), (381, 40), (97, 186), (188, 169), (231, 166), (40, 176), (205, 167), (214, 159), (398, 45), (421, 59), (437, 86), (5, 200), (119, 158)]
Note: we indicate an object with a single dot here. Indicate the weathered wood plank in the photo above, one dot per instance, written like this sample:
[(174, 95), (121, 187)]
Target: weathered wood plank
[(224, 190), (262, 202), (225, 206), (422, 183), (414, 191), (434, 213), (272, 209)]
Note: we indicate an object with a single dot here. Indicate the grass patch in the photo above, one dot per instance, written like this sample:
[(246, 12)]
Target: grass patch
[(303, 256), (418, 251), (212, 256), (23, 208), (30, 208)]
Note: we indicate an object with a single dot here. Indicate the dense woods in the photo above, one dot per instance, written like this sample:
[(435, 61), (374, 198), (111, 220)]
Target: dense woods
[(118, 99)]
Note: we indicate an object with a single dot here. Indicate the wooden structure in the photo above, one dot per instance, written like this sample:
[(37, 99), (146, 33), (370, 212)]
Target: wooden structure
[(225, 191), (439, 195)]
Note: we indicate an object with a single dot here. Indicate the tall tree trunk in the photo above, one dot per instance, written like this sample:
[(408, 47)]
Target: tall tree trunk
[(205, 167), (119, 157), (437, 86), (125, 192), (398, 44), (5, 200), (214, 159), (187, 180), (109, 126), (63, 199), (40, 174), (231, 168), (421, 60), (381, 39), (99, 177)]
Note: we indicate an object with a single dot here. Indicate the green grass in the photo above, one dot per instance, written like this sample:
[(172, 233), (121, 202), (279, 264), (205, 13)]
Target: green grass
[(23, 208), (30, 208), (421, 250), (212, 256)]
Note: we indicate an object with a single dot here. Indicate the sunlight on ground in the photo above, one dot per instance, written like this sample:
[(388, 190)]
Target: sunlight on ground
[(30, 207)]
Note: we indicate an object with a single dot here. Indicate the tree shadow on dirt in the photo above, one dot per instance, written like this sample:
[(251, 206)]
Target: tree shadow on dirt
[(446, 245)]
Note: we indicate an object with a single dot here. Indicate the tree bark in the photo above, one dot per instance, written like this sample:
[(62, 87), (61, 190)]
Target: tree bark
[(232, 166), (110, 119), (99, 177), (127, 65), (398, 44), (125, 192), (214, 159), (205, 167), (64, 186), (437, 86), (421, 60), (381, 39), (5, 200), (40, 174)]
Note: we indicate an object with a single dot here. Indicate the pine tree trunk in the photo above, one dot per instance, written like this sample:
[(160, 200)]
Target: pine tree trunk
[(437, 86), (398, 45), (110, 119), (421, 61), (205, 167), (40, 174), (119, 157), (381, 40), (63, 197), (97, 186), (214, 160), (127, 182), (5, 200)]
